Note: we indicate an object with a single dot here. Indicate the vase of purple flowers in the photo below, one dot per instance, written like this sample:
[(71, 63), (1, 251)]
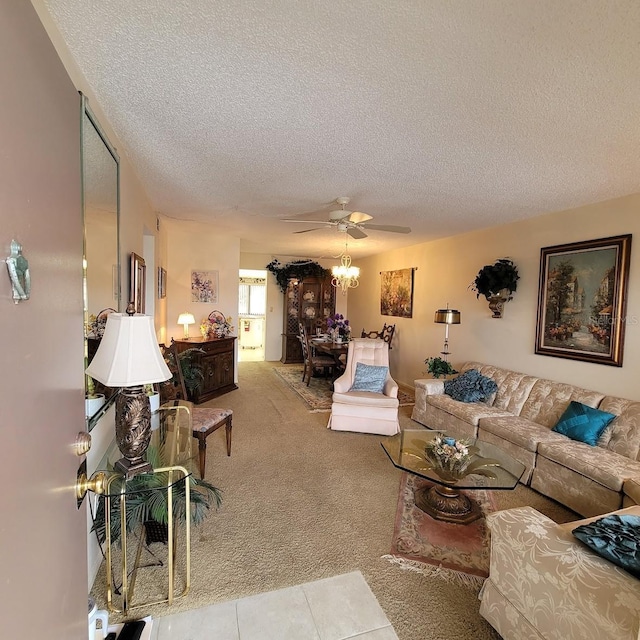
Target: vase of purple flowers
[(339, 328)]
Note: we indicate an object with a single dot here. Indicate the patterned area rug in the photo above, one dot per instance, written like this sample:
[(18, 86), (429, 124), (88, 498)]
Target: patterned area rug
[(454, 552), (318, 394)]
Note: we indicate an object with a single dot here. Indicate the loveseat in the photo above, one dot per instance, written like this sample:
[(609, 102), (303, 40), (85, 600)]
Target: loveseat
[(545, 584), (519, 418)]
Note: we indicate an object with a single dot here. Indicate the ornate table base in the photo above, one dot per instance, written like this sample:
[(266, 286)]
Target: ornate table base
[(445, 503)]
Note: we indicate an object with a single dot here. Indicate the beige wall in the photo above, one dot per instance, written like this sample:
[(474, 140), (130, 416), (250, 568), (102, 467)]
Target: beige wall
[(193, 246), (445, 269)]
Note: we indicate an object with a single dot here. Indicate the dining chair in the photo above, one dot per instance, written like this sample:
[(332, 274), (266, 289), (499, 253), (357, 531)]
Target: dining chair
[(205, 420), (385, 334), (312, 361)]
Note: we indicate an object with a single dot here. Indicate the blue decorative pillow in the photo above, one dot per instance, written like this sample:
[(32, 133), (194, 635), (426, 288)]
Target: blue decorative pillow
[(369, 377), (616, 538), (583, 423), (471, 386)]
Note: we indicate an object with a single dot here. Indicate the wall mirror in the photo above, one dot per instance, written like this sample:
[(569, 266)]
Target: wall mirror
[(101, 267)]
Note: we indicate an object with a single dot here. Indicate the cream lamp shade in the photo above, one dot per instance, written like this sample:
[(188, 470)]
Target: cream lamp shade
[(186, 319), (129, 357), (128, 354)]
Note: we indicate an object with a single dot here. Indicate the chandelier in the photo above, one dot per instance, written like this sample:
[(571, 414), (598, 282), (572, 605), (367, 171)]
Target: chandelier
[(344, 275)]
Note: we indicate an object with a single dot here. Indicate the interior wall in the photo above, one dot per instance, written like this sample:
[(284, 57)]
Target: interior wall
[(446, 268), (198, 247), (275, 300)]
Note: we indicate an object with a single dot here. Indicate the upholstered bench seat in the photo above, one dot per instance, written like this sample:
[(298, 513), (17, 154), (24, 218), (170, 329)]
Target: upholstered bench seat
[(206, 420)]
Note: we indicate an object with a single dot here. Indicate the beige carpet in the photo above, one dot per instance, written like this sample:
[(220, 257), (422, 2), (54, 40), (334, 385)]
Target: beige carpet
[(319, 391), (302, 503)]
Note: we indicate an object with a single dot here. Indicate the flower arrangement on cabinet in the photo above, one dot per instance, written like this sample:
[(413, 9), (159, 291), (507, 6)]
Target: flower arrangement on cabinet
[(339, 327), (216, 325)]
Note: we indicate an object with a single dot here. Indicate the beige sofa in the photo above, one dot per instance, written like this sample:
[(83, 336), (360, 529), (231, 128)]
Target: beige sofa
[(520, 417), (545, 584)]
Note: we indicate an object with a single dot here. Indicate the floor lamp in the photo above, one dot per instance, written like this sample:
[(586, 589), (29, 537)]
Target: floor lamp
[(446, 317)]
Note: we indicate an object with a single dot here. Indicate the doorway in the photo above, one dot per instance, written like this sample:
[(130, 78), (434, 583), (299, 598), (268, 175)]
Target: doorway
[(252, 315)]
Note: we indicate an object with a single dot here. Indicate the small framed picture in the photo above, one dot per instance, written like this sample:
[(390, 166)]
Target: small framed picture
[(204, 286), (137, 282), (162, 283)]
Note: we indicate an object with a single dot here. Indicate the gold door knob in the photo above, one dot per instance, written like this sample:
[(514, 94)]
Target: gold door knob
[(96, 483), (82, 443)]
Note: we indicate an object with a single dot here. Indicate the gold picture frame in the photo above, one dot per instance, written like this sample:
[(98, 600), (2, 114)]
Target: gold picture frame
[(582, 298), (137, 289), (396, 293)]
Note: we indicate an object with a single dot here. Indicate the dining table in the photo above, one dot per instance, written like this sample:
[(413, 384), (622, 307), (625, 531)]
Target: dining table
[(334, 349)]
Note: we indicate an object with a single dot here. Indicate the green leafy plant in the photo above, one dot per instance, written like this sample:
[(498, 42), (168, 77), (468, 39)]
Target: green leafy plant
[(147, 502), (298, 270), (192, 369), (493, 278), (438, 367)]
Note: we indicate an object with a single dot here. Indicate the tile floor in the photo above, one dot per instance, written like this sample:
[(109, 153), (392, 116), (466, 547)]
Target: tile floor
[(331, 609)]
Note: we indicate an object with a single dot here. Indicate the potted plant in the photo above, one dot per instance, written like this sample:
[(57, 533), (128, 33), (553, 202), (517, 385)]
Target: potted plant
[(192, 370), (298, 270), (92, 401), (438, 367), (496, 282), (146, 503)]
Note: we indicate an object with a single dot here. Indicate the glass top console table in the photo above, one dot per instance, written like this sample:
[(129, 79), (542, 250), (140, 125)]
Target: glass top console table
[(125, 521), (485, 467)]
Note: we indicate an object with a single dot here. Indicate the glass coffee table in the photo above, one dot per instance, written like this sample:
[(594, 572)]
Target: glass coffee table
[(481, 466)]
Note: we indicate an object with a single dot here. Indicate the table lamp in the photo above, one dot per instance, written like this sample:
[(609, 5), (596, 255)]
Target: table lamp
[(186, 319), (446, 317), (129, 357)]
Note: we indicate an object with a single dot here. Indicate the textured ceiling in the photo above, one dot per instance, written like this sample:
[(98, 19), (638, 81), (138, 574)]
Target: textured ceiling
[(441, 115)]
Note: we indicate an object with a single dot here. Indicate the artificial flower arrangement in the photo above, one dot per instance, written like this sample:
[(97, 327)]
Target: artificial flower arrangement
[(216, 325), (455, 459), (449, 457), (338, 326)]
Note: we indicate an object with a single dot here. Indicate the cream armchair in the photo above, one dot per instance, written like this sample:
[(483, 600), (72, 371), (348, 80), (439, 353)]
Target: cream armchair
[(365, 411), (544, 584)]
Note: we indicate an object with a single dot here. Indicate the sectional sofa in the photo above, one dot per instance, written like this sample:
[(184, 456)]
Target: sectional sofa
[(519, 418)]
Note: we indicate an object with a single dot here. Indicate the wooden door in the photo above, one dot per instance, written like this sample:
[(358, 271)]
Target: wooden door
[(43, 534)]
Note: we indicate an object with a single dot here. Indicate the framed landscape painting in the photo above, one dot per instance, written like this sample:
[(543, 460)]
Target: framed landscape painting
[(396, 293), (582, 298)]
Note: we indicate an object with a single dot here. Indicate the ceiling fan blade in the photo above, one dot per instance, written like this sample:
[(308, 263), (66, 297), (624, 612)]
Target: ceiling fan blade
[(307, 230), (306, 221), (359, 216), (355, 233), (387, 227)]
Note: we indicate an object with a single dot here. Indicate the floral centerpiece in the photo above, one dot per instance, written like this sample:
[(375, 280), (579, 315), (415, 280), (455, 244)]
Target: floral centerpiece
[(216, 325), (339, 327), (448, 456), (455, 459)]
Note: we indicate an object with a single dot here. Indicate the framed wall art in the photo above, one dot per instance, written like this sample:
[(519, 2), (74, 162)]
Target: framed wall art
[(396, 293), (204, 286), (137, 282), (582, 298), (162, 283)]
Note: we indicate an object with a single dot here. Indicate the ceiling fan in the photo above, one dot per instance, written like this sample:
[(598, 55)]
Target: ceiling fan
[(353, 223)]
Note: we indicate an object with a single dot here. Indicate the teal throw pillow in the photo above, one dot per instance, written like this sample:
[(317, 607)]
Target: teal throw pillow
[(582, 423), (369, 377), (616, 538), (471, 386)]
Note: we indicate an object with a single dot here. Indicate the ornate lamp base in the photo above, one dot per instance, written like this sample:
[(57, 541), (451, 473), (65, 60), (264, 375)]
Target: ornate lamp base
[(133, 430), (445, 503)]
